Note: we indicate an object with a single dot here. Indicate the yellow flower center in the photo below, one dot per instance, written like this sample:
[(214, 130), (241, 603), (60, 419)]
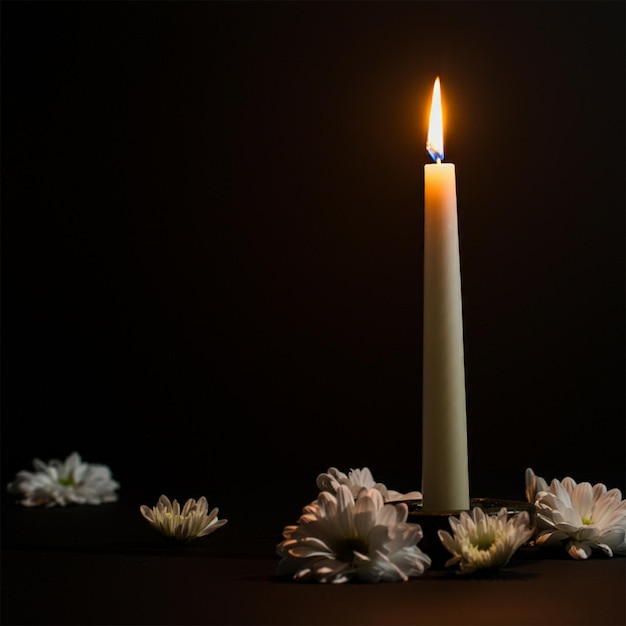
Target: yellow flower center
[(66, 481), (179, 518), (483, 542), (587, 521)]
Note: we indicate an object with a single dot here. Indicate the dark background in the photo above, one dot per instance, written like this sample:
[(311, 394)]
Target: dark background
[(212, 223)]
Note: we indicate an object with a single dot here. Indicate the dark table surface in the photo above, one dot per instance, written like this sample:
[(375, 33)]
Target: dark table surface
[(105, 565)]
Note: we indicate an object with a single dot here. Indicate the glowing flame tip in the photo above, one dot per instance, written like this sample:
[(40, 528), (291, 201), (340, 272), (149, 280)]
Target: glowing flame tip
[(434, 142)]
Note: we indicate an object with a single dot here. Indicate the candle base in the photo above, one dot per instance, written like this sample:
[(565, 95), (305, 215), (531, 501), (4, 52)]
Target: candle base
[(432, 521)]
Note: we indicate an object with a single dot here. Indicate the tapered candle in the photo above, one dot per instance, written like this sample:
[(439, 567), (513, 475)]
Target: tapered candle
[(445, 476)]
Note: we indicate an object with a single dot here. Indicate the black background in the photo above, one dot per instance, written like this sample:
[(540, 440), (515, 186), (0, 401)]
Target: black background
[(212, 237)]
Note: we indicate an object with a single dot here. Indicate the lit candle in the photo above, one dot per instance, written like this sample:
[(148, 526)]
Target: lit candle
[(445, 479)]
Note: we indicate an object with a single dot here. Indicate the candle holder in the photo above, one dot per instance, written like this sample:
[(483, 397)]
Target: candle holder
[(433, 521)]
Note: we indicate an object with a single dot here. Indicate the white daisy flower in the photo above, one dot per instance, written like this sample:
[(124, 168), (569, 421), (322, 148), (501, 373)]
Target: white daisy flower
[(357, 479), (192, 522), (339, 537), (481, 541), (586, 516), (64, 482)]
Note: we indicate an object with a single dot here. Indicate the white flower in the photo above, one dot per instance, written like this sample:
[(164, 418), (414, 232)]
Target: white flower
[(534, 484), (65, 482), (356, 480), (340, 537), (586, 516), (483, 541), (193, 521)]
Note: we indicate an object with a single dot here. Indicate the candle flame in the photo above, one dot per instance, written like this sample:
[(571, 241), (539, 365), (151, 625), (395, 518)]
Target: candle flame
[(434, 143)]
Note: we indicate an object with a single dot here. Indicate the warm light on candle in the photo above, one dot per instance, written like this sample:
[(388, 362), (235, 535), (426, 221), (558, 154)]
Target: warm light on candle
[(445, 479), (434, 142)]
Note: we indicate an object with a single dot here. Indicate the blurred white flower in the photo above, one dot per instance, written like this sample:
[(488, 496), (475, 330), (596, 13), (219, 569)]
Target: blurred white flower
[(357, 479), (339, 537), (481, 541), (534, 484), (64, 482), (586, 516), (192, 522)]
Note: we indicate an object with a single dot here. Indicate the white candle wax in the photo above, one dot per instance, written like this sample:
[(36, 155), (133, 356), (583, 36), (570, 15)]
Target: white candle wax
[(445, 479)]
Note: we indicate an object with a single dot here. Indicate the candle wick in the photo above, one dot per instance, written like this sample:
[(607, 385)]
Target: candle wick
[(438, 161)]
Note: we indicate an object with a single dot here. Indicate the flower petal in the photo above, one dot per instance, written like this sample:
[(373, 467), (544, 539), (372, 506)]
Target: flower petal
[(579, 550), (582, 499)]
